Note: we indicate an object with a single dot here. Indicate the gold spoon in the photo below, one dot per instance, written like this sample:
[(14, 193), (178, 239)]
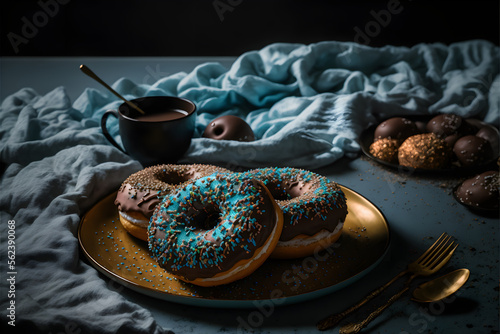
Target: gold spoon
[(441, 287), (91, 74), (432, 291)]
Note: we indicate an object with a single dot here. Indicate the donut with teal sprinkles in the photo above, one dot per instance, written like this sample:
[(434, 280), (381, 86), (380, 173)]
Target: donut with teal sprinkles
[(215, 230), (314, 209)]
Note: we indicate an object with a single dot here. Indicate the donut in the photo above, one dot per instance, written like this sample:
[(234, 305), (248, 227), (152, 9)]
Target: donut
[(425, 151), (385, 149), (215, 230), (314, 209), (141, 192)]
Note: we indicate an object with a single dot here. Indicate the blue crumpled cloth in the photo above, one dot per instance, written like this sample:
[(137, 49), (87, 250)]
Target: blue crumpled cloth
[(306, 103)]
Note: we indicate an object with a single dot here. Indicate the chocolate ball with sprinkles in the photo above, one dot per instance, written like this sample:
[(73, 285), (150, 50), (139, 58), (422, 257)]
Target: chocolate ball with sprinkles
[(398, 128), (450, 127), (141, 192), (425, 151), (472, 150), (385, 149), (480, 191), (215, 230), (314, 209)]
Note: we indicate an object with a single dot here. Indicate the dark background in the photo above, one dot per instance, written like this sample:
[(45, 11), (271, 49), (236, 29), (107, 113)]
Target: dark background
[(196, 28)]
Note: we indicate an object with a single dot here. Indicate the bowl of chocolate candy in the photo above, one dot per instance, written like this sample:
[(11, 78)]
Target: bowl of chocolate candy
[(440, 143)]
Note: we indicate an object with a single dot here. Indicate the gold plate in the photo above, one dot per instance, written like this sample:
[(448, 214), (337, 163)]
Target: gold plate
[(126, 259)]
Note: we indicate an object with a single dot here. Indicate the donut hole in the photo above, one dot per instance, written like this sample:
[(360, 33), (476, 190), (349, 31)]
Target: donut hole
[(218, 130), (296, 189), (173, 177), (205, 220), (285, 191)]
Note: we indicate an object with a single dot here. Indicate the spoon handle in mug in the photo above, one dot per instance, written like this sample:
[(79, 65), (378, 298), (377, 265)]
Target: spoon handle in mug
[(91, 74), (105, 129)]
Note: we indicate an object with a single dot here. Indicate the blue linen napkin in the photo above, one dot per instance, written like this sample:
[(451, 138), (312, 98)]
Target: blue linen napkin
[(306, 103)]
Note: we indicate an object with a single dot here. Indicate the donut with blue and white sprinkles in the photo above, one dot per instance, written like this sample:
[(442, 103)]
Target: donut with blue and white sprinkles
[(215, 230), (314, 209)]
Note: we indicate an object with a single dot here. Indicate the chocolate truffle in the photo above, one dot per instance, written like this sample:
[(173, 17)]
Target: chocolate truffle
[(421, 126), (229, 127), (490, 134), (385, 149), (480, 191), (472, 150), (452, 139), (425, 151), (449, 125), (395, 128)]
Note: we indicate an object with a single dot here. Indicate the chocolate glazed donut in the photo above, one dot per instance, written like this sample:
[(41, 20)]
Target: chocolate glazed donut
[(141, 192), (314, 209)]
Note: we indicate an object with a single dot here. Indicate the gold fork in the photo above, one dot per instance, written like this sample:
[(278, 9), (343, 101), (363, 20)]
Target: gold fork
[(439, 258), (428, 263)]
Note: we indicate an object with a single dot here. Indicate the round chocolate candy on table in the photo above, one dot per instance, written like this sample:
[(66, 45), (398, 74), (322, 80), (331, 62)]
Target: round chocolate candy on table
[(424, 151), (472, 150), (480, 191), (398, 128), (229, 127), (385, 149)]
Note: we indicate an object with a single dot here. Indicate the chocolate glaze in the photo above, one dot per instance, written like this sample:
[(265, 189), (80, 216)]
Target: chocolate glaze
[(395, 128), (310, 202), (210, 224), (143, 201), (472, 150), (144, 190), (229, 127), (481, 191)]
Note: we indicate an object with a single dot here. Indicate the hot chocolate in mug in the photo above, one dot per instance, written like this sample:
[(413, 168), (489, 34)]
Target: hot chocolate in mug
[(160, 136)]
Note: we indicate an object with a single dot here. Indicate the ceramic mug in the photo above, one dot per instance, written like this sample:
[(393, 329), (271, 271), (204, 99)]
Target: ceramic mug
[(161, 135)]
